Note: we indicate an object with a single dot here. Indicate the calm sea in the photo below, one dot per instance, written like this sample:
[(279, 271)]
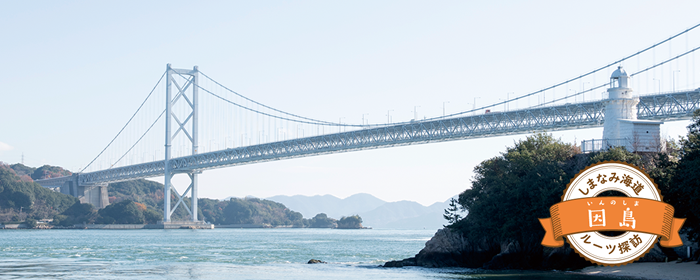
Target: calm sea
[(225, 254)]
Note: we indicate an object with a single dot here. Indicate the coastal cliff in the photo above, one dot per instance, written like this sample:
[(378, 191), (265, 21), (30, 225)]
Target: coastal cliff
[(510, 192), (449, 248)]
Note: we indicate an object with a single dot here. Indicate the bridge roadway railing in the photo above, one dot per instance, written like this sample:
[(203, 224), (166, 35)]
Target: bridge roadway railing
[(669, 106)]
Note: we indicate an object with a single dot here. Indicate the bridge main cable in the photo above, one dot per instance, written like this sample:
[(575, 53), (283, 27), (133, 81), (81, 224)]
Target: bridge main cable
[(311, 121), (570, 80), (320, 122), (674, 106), (127, 124), (632, 75)]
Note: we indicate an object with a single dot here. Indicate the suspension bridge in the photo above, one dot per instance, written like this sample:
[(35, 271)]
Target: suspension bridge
[(190, 123)]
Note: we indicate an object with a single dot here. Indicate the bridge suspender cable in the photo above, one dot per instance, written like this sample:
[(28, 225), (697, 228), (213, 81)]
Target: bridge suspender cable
[(319, 122), (570, 80), (127, 123), (137, 141), (665, 61), (632, 75), (265, 106), (311, 121), (305, 120)]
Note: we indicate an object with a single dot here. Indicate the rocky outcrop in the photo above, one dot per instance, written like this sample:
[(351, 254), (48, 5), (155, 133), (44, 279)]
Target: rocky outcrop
[(443, 249), (402, 263), (313, 261), (448, 248)]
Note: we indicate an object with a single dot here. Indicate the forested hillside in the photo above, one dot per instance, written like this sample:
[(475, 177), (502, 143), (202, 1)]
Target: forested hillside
[(232, 211), (511, 191), (44, 172), (21, 198), (131, 202)]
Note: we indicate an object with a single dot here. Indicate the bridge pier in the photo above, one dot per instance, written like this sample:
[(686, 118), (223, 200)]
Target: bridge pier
[(96, 195), (194, 196)]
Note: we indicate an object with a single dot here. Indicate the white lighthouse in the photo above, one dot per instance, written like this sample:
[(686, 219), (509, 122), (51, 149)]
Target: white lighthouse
[(621, 127), (621, 105)]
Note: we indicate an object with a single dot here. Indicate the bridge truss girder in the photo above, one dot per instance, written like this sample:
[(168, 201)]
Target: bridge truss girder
[(671, 106)]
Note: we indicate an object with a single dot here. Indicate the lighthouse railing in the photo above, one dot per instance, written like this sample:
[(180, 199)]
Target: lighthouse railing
[(595, 145)]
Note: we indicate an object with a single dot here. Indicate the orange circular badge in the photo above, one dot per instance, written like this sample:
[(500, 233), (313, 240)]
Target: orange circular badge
[(640, 214)]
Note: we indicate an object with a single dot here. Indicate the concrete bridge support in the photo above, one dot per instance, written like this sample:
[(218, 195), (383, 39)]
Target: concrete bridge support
[(95, 195)]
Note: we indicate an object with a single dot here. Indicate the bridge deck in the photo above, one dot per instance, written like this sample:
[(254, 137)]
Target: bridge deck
[(666, 106)]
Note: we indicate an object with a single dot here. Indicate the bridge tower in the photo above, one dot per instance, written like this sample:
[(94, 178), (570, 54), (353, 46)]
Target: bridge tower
[(189, 126)]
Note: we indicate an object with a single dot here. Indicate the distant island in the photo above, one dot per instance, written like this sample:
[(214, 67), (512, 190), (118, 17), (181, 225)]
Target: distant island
[(26, 203), (375, 212)]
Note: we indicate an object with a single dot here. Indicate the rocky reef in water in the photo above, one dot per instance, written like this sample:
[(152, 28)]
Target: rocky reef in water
[(449, 248)]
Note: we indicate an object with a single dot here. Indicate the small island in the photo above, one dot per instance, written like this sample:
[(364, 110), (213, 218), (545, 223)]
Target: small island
[(322, 220), (352, 222)]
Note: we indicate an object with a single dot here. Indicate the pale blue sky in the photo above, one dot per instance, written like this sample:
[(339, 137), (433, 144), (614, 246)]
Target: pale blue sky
[(73, 72)]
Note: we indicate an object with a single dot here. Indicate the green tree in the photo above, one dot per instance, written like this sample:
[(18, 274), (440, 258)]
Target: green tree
[(62, 220), (616, 154), (33, 199), (31, 223), (452, 213), (212, 210), (663, 173), (322, 220), (78, 213), (294, 216), (124, 212), (152, 216), (684, 188), (22, 199), (352, 222), (48, 171), (233, 211), (22, 169), (511, 191), (238, 211)]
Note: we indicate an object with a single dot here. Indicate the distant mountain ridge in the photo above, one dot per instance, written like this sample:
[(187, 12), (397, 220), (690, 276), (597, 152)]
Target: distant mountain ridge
[(334, 207), (375, 212)]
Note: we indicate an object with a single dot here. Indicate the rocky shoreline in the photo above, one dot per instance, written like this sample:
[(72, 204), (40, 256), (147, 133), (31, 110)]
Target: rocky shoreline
[(448, 248)]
